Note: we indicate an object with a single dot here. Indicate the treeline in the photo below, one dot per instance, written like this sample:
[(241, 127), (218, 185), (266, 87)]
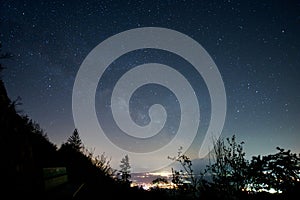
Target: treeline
[(229, 175), (26, 151)]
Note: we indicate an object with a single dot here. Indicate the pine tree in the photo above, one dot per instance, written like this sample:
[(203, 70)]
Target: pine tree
[(75, 141), (125, 170)]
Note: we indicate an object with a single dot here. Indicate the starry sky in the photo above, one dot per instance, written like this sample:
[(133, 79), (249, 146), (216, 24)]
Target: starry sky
[(255, 45)]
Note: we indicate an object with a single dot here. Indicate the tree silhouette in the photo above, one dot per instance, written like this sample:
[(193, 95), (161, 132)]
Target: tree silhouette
[(124, 171), (279, 171), (228, 167), (102, 162), (185, 179), (75, 141)]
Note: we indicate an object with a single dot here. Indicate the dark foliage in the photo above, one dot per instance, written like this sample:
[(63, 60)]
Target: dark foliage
[(233, 177), (279, 171)]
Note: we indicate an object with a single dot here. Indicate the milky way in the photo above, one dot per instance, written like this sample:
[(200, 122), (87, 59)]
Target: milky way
[(255, 45)]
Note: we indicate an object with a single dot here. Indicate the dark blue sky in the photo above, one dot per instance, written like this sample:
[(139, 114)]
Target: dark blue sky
[(255, 45)]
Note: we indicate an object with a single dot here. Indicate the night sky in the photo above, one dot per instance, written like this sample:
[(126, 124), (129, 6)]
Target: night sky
[(254, 44)]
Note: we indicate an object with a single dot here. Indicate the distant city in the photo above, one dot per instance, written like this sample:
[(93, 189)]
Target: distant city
[(144, 180)]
